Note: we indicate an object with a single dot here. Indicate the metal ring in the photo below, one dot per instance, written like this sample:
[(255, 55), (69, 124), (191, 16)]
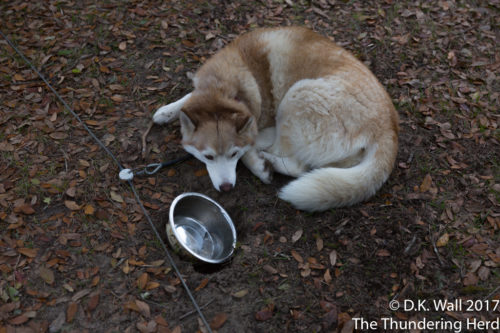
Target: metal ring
[(153, 168)]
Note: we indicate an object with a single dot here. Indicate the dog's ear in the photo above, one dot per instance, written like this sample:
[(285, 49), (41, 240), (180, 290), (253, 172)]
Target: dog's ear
[(240, 97), (244, 124), (188, 126)]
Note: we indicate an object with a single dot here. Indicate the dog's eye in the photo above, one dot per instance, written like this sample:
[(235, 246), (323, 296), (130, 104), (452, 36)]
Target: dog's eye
[(209, 157), (233, 155)]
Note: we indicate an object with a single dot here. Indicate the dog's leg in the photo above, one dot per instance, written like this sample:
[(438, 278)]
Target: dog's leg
[(254, 161), (169, 112), (271, 150), (266, 138), (262, 163), (284, 165)]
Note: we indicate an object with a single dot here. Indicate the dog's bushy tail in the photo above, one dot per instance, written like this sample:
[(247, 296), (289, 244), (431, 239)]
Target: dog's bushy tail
[(326, 188)]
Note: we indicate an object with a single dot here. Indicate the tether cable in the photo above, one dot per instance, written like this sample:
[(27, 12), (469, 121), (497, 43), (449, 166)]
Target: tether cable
[(136, 195)]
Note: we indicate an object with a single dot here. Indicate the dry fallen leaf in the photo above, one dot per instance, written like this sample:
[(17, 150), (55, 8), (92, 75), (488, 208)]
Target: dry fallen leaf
[(202, 284), (118, 98), (297, 256), (71, 191), (157, 263), (126, 267), (161, 321), (383, 253), (327, 306), (218, 321), (426, 183), (152, 285), (116, 197), (18, 77), (483, 273), (330, 319), (71, 311), (92, 122), (333, 257), (148, 327), (95, 281), (188, 43), (327, 276), (31, 253), (470, 279), (270, 269), (27, 209), (115, 87), (58, 135), (240, 294), (306, 271), (80, 294), (265, 314), (18, 320), (47, 275), (143, 308), (93, 302), (72, 205), (142, 281), (57, 324), (296, 236), (474, 265), (443, 240), (132, 305), (319, 244), (5, 146), (89, 210), (348, 327)]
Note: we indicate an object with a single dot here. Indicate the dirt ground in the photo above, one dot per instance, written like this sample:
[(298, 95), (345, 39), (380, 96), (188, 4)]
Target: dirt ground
[(77, 254)]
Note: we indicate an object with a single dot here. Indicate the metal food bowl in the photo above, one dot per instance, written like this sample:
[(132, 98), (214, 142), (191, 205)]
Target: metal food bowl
[(201, 227)]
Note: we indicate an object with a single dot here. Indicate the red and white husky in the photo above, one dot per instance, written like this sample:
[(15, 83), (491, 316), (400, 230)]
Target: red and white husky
[(291, 101)]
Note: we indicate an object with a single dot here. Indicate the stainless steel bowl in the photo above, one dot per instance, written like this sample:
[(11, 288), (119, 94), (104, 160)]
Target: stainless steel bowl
[(201, 227)]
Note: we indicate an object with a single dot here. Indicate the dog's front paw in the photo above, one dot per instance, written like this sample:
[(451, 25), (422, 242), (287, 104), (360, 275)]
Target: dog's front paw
[(268, 173), (265, 170), (165, 114)]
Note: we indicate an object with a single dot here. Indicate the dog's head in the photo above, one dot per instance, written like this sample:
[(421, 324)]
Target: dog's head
[(217, 131)]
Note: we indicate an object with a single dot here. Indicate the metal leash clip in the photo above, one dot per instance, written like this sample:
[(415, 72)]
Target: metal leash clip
[(150, 169)]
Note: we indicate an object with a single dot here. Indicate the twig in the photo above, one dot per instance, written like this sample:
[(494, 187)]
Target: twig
[(144, 137), (118, 264), (338, 229), (194, 311), (491, 294), (66, 158), (15, 267), (412, 242), (410, 159), (435, 247)]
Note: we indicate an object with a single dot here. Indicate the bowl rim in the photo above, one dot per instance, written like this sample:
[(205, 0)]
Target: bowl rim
[(223, 212)]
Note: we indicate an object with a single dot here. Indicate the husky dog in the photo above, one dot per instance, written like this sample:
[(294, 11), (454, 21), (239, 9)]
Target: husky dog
[(291, 101)]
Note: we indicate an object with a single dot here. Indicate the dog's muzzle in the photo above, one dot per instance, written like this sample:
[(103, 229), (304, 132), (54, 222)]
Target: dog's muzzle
[(226, 187)]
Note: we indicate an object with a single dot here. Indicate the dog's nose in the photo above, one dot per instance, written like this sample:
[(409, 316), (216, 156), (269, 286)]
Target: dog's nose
[(226, 187)]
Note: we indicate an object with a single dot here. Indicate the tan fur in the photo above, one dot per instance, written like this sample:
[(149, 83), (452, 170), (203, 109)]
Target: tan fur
[(245, 60), (326, 111)]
